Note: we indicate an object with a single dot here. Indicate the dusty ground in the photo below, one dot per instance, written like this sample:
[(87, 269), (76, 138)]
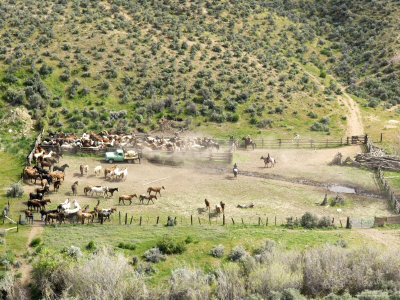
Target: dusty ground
[(187, 187)]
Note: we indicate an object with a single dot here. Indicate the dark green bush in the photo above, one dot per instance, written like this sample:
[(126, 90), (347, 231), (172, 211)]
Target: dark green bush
[(35, 242), (127, 246), (168, 245)]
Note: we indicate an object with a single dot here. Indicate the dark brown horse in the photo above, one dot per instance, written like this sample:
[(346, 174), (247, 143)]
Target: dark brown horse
[(249, 142)]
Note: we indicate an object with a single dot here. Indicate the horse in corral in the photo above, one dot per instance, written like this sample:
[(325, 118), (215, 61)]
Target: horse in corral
[(99, 190), (155, 189), (149, 198), (62, 168), (84, 169), (249, 142), (74, 188), (124, 198), (108, 171), (112, 191), (268, 160), (97, 170), (65, 205)]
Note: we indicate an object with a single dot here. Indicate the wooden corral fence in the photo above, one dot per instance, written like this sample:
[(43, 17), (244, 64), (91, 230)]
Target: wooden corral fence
[(305, 143), (380, 221), (391, 196), (38, 140)]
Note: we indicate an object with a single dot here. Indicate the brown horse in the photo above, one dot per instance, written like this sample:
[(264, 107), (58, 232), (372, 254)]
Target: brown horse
[(155, 189), (249, 142), (222, 206), (74, 188), (207, 202), (87, 189), (57, 185), (147, 197), (108, 170), (124, 198)]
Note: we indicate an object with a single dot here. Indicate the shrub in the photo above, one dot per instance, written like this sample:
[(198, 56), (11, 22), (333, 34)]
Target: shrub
[(373, 295), (145, 268), (189, 284), (90, 246), (317, 126), (312, 115), (263, 123), (189, 239), (324, 222), (230, 283), (309, 220), (168, 245), (237, 253), (15, 190), (154, 255), (218, 251), (7, 259), (35, 242), (127, 246)]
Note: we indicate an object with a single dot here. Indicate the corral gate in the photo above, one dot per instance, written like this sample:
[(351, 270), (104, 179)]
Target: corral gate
[(362, 222)]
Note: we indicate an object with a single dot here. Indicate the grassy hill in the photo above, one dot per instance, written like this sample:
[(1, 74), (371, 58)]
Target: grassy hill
[(221, 66)]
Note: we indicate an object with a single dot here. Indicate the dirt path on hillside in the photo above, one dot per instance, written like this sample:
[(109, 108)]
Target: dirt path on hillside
[(354, 119), (26, 268)]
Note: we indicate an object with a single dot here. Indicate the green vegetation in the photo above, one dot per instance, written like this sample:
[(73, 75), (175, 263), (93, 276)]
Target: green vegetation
[(35, 242), (242, 65)]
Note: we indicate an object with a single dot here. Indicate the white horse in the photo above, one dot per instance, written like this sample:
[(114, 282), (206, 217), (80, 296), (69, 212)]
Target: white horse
[(268, 160), (125, 174), (97, 170), (48, 155), (38, 155), (66, 204), (99, 190), (114, 173)]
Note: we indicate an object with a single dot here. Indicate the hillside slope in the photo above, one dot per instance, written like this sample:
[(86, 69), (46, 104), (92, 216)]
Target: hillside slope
[(222, 66)]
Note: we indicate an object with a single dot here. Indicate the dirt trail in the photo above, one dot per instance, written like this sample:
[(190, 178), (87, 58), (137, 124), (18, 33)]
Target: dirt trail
[(26, 267), (354, 119)]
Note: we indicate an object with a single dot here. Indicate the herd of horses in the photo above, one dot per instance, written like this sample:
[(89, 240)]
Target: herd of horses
[(70, 209)]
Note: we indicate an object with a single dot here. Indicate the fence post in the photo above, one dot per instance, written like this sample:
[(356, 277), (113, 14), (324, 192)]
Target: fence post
[(348, 223), (347, 140), (157, 219), (126, 218), (266, 222), (119, 217), (381, 137), (191, 219), (131, 221), (341, 141), (259, 221), (223, 219), (280, 143), (140, 221), (233, 221), (209, 219), (242, 221), (199, 221), (275, 220)]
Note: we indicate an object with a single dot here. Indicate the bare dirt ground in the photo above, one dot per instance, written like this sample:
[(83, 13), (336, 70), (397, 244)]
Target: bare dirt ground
[(187, 187), (26, 267)]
